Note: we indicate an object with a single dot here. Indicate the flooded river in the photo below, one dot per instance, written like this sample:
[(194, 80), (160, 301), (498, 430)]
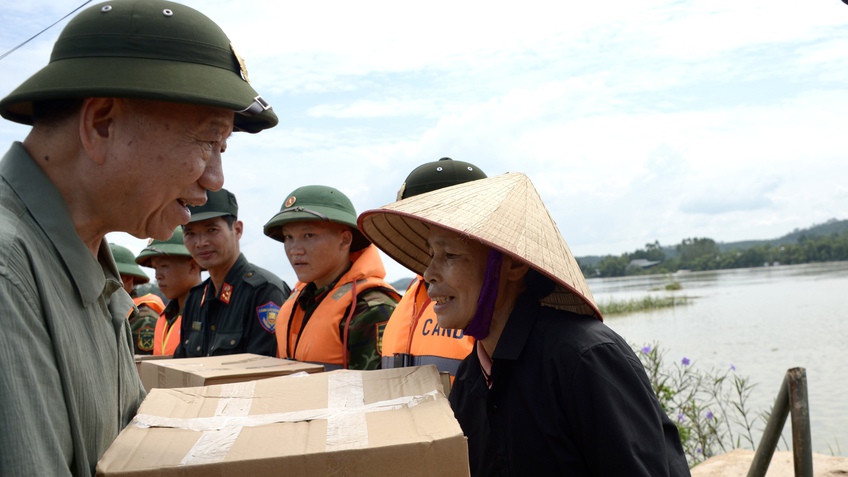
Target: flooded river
[(762, 321)]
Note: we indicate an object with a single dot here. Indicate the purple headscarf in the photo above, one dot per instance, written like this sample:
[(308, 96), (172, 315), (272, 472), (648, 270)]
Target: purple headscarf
[(478, 328)]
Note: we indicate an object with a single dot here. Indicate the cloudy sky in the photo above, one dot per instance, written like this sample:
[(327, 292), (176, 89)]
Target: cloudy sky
[(636, 121)]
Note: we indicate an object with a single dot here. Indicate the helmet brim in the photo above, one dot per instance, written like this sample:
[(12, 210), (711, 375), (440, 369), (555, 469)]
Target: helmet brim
[(274, 226), (153, 79)]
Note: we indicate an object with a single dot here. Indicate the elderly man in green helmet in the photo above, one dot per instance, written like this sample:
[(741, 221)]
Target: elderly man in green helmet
[(149, 306), (131, 86), (341, 303), (176, 274)]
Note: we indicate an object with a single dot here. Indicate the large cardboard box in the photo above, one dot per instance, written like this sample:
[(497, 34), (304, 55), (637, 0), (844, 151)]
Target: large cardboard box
[(393, 422), (234, 368), (139, 358)]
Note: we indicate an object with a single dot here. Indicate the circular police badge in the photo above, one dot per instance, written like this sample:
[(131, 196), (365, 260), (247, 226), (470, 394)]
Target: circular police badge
[(242, 65), (290, 201)]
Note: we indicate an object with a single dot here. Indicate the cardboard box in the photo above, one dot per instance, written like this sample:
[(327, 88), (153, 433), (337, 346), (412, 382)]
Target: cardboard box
[(147, 357), (393, 422), (234, 368)]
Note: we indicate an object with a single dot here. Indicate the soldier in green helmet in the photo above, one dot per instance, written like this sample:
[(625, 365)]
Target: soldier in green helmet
[(132, 86), (235, 310), (143, 318), (176, 274), (341, 303)]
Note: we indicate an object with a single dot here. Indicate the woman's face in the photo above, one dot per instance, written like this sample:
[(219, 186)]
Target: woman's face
[(455, 276)]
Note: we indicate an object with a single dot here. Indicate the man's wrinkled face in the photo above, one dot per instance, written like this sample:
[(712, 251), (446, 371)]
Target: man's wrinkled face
[(169, 154)]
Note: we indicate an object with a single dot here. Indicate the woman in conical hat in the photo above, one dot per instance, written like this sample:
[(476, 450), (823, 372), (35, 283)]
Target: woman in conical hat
[(549, 389)]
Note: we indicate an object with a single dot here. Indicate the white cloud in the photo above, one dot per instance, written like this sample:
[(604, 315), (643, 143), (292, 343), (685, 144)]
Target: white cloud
[(633, 119)]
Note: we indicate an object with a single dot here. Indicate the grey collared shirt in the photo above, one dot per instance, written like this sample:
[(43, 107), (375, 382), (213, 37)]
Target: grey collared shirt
[(68, 383)]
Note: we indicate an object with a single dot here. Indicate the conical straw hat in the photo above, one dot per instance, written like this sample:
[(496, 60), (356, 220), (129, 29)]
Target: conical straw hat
[(504, 212)]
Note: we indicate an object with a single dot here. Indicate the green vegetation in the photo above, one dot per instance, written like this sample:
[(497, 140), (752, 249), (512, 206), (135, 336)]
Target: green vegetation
[(673, 286), (699, 254), (708, 407), (650, 302)]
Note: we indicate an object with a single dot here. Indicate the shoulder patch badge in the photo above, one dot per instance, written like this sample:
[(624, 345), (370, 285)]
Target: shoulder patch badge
[(267, 315), (145, 338)]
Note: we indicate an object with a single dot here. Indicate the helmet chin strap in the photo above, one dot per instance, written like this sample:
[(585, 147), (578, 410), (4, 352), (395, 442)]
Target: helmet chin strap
[(478, 328)]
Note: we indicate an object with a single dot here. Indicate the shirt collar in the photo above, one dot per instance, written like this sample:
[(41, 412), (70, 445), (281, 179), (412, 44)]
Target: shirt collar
[(236, 271), (518, 327), (46, 205), (172, 309)]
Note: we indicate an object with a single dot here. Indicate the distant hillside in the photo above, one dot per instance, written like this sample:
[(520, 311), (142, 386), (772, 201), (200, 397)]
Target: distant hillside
[(831, 227)]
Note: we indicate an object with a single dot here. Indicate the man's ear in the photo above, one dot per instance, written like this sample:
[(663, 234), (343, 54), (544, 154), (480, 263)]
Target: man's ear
[(238, 226), (97, 126), (514, 270), (347, 237)]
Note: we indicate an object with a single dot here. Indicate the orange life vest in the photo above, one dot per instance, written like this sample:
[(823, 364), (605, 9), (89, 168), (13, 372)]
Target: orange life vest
[(167, 338), (413, 336), (319, 342), (151, 300)]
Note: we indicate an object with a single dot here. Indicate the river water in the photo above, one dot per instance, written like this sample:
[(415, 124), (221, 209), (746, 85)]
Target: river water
[(762, 321)]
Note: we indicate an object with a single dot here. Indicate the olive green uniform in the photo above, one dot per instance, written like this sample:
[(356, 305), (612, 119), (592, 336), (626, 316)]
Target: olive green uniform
[(68, 382)]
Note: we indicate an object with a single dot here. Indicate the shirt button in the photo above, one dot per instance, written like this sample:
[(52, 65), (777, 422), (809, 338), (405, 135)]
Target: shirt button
[(198, 348), (232, 342), (212, 327)]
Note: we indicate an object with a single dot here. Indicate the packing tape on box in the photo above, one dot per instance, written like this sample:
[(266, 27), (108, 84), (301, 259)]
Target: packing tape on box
[(345, 415)]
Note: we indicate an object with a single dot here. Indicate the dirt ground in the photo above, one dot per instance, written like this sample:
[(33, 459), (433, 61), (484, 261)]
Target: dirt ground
[(737, 463)]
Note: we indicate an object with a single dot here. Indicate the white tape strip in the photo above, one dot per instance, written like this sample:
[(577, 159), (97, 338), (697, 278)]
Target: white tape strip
[(213, 445), (217, 423), (346, 430), (346, 424)]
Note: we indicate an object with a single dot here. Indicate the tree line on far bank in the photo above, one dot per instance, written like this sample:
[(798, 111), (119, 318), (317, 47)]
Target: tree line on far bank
[(699, 254)]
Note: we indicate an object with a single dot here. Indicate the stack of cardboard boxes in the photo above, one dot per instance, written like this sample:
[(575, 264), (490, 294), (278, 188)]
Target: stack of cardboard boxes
[(394, 422)]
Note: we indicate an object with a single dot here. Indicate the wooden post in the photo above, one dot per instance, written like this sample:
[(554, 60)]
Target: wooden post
[(802, 447), (792, 396)]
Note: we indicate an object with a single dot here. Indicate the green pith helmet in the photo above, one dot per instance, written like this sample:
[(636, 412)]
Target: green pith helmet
[(126, 264), (438, 174), (150, 49), (317, 202), (218, 204), (157, 248)]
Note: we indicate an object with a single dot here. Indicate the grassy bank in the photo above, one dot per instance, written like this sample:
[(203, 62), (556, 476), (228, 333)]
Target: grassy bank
[(648, 303)]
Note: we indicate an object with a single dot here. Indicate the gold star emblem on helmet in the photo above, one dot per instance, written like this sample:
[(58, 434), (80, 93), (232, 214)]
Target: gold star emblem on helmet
[(242, 65)]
